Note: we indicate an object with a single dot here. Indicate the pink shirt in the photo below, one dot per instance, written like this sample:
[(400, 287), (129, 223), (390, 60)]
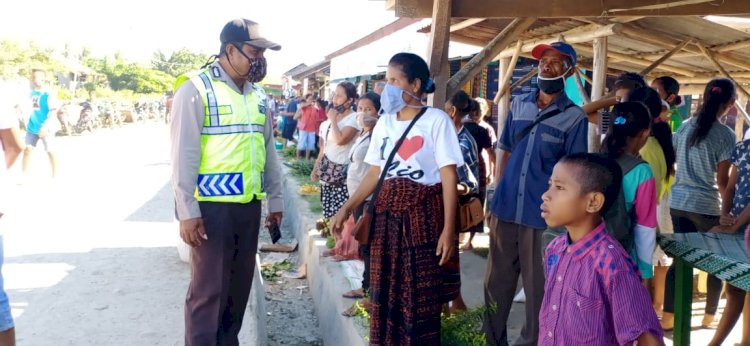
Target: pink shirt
[(593, 294)]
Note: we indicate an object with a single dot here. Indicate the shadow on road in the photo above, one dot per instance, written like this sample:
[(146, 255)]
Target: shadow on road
[(109, 296)]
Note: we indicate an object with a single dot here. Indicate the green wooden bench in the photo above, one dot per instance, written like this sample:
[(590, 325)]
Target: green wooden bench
[(723, 255)]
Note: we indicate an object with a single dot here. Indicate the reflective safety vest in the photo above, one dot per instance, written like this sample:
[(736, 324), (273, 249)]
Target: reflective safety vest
[(233, 147)]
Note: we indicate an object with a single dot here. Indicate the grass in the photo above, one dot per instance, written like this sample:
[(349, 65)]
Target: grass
[(330, 242), (464, 328), (301, 170), (273, 272)]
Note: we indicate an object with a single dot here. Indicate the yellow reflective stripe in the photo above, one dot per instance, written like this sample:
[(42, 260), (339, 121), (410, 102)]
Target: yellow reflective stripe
[(231, 129)]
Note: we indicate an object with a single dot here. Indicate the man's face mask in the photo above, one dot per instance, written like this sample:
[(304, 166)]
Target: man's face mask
[(257, 67), (552, 85)]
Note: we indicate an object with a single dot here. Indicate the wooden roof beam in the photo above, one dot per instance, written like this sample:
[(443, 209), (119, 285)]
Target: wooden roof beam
[(466, 23), (509, 33), (718, 48), (639, 61), (667, 42), (571, 37), (567, 8), (656, 63), (711, 57)]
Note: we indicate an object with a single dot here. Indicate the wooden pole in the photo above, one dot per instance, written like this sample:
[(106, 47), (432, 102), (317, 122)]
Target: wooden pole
[(581, 89), (656, 63), (503, 103), (439, 39), (739, 128), (505, 81), (523, 79), (739, 123), (598, 86), (583, 74), (513, 30)]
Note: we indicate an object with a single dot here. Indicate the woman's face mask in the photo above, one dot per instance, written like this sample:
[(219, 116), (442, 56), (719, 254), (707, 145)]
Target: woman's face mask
[(392, 100), (366, 121)]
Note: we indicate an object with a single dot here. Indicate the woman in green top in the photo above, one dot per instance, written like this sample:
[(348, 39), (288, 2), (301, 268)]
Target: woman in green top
[(669, 90)]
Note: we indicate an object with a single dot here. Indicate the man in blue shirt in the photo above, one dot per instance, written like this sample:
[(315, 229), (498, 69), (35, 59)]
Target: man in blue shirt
[(290, 124), (41, 122), (541, 127)]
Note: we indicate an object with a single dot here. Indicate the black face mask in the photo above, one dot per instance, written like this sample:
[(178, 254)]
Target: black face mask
[(340, 108), (551, 85)]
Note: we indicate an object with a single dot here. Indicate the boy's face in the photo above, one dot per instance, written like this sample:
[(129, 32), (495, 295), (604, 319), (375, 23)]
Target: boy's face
[(564, 203)]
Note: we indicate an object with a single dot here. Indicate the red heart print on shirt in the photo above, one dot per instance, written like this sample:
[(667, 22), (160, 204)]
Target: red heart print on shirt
[(410, 146)]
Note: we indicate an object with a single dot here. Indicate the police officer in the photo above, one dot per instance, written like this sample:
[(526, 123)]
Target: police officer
[(224, 164)]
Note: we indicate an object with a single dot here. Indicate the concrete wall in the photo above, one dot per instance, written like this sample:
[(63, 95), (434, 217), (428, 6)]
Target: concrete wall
[(325, 277)]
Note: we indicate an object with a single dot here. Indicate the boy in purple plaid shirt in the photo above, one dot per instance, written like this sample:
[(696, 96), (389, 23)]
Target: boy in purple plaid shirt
[(593, 293)]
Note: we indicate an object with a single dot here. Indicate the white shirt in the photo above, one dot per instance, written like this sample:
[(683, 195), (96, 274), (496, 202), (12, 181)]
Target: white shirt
[(357, 165), (430, 145), (338, 153)]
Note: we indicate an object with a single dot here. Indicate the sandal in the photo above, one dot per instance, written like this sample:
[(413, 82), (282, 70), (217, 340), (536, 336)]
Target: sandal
[(354, 294), (351, 311)]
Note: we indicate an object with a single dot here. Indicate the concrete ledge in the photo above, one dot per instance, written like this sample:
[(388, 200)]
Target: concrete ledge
[(325, 277)]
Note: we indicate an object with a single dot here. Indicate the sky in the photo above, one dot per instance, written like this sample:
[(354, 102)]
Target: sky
[(307, 30)]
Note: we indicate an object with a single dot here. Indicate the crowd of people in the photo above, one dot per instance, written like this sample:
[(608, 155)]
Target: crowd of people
[(404, 184), (589, 261)]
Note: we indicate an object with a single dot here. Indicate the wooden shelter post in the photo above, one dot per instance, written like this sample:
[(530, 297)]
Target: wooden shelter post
[(438, 54), (739, 123), (503, 103), (598, 87), (505, 79)]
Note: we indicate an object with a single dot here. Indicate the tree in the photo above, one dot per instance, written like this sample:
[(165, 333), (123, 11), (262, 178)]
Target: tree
[(179, 62)]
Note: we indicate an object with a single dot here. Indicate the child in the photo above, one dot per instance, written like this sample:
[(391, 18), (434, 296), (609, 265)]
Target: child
[(593, 293), (631, 128)]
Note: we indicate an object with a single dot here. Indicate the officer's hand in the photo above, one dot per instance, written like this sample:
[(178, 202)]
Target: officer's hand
[(192, 230), (274, 218)]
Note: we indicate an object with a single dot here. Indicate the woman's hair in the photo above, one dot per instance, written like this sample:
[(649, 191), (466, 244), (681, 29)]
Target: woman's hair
[(414, 68), (597, 173), (374, 98), (484, 107), (461, 101), (718, 93), (349, 89), (671, 87), (629, 80), (659, 129), (630, 118)]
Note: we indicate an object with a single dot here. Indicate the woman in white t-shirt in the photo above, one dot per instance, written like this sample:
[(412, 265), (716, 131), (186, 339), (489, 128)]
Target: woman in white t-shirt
[(337, 136), (367, 110), (413, 239)]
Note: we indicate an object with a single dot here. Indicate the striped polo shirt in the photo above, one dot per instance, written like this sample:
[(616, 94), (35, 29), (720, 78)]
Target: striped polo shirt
[(593, 294)]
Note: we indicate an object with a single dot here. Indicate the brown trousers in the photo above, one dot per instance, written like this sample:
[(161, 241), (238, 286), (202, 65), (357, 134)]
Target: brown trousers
[(222, 269), (514, 250)]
